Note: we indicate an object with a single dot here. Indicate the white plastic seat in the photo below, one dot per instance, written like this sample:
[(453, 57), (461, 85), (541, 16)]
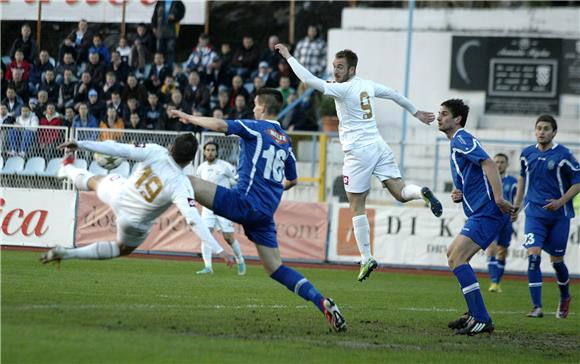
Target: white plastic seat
[(122, 170), (52, 167), (1, 162), (13, 165), (34, 166), (96, 169)]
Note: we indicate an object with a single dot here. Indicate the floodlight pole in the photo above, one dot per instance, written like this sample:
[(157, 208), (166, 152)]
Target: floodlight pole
[(406, 85), (292, 21), (39, 25)]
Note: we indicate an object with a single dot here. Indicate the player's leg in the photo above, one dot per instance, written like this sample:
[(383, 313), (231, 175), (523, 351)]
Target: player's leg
[(81, 178), (206, 250), (297, 283), (204, 191), (503, 242), (492, 266), (558, 240), (408, 192), (535, 234), (500, 257), (235, 244)]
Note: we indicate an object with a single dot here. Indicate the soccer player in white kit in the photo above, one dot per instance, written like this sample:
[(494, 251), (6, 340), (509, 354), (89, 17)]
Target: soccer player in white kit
[(366, 154), (138, 200), (223, 174)]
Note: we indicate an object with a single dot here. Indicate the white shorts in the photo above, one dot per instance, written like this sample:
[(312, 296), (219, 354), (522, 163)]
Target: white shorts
[(129, 233), (371, 160), (216, 222)]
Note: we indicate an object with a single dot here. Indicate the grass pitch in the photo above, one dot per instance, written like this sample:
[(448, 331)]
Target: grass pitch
[(159, 311)]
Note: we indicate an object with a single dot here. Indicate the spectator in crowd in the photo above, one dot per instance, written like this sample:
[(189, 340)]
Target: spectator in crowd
[(41, 103), (240, 110), (21, 86), (258, 84), (226, 54), (246, 58), (26, 44), (84, 119), (118, 66), (285, 89), (176, 103), (143, 48), (152, 112), (13, 102), (285, 70), (201, 55), (49, 85), (96, 67), (134, 122), (223, 102), (134, 89), (18, 63), (69, 116), (237, 89), (67, 91), (196, 93), (166, 89), (3, 82), (165, 21), (159, 70), (218, 113), (123, 49), (111, 85), (217, 77), (270, 55), (67, 46), (19, 139), (97, 106), (48, 139), (311, 52), (41, 65), (297, 118), (265, 73), (5, 117), (116, 102), (68, 63), (132, 106), (82, 88), (179, 76), (100, 47), (81, 39), (111, 125)]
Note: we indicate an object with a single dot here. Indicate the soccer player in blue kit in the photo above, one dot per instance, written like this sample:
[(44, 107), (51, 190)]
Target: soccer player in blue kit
[(549, 178), (478, 186), (266, 168), (497, 251)]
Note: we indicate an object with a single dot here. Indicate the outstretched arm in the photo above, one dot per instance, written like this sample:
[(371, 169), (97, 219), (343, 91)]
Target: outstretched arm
[(203, 121), (137, 152), (303, 74)]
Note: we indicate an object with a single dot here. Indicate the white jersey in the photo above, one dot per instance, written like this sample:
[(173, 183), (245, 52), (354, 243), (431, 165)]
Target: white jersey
[(355, 107), (219, 172), (153, 187)]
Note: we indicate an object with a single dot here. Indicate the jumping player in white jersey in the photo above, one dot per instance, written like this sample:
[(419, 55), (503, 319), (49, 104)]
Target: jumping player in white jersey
[(365, 152), (224, 174), (138, 200)]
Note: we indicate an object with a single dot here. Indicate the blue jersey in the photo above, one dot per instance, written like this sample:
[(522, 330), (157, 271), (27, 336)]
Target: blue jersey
[(466, 157), (548, 175), (266, 159), (510, 185)]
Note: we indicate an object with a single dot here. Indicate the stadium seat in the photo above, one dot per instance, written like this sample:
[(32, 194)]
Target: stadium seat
[(13, 165), (1, 162), (96, 169), (34, 166), (122, 170), (52, 167)]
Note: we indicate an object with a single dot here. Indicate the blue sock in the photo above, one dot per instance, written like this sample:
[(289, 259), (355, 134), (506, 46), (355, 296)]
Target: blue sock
[(296, 283), (471, 292), (492, 269), (500, 269), (535, 279), (563, 279)]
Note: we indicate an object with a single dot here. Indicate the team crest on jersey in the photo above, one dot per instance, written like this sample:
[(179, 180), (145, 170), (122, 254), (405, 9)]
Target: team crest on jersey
[(191, 202), (551, 164), (278, 137), (345, 180)]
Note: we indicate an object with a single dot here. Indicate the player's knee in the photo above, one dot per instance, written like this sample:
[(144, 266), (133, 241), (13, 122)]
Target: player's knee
[(555, 260)]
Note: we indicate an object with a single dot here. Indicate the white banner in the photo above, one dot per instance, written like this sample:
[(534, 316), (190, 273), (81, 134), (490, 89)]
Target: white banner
[(41, 218), (98, 11), (414, 237)]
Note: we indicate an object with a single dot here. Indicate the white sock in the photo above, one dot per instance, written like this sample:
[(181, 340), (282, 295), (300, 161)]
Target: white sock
[(362, 234), (100, 250), (411, 192), (237, 252), (78, 176), (206, 254)]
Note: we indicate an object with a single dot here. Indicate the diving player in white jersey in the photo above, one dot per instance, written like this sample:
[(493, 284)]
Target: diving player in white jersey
[(138, 200), (365, 152), (223, 174)]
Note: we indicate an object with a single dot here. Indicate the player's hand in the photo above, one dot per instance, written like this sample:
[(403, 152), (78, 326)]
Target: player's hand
[(552, 205), (456, 196), (228, 258), (425, 116), (69, 145), (504, 206), (283, 50), (178, 114), (515, 213)]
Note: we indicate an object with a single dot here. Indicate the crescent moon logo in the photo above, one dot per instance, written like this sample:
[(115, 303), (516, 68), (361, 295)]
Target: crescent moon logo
[(460, 59)]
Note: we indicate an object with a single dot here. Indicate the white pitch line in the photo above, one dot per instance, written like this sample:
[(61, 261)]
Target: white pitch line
[(440, 309)]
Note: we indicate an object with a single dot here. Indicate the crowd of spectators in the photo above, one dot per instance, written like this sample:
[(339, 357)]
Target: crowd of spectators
[(133, 84)]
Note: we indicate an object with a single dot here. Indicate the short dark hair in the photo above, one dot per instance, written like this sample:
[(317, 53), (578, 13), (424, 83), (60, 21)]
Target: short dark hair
[(548, 119), (184, 148), (457, 108), (211, 142), (350, 56), (271, 99), (503, 156)]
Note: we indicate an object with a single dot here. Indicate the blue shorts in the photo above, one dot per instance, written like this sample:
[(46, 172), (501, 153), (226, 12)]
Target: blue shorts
[(548, 234), (504, 236), (482, 228), (259, 227)]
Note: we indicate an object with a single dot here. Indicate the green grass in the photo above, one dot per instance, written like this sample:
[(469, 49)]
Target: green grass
[(137, 310)]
